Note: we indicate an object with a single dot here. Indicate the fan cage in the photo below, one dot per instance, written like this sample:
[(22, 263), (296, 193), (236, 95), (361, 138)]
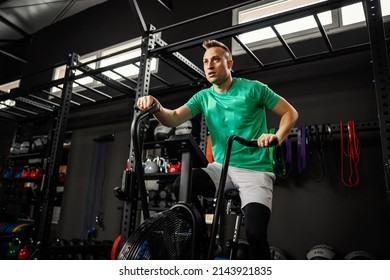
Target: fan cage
[(167, 235)]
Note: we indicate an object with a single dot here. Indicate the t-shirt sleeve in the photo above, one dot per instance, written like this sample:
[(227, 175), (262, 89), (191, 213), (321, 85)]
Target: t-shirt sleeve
[(268, 97), (194, 104)]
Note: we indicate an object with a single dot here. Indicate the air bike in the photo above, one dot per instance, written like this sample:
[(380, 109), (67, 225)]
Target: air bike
[(177, 233)]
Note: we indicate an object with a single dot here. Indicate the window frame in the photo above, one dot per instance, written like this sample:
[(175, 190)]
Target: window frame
[(335, 27), (96, 58)]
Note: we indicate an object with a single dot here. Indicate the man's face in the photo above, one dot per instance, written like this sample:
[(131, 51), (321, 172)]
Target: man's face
[(216, 65)]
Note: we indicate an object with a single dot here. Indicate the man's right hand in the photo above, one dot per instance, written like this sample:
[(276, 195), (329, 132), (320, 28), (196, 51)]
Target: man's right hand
[(144, 102)]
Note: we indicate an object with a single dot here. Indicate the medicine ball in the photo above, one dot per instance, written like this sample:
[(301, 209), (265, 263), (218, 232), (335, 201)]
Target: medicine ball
[(360, 255), (184, 128), (321, 252), (162, 132), (278, 254)]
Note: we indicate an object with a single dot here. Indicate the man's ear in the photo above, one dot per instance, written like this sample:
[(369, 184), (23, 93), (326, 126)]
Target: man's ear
[(230, 64)]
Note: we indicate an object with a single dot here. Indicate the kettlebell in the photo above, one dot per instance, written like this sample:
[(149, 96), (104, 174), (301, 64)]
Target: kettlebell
[(26, 172), (24, 253), (174, 167), (13, 251), (35, 173), (151, 167), (18, 174), (8, 174), (162, 164)]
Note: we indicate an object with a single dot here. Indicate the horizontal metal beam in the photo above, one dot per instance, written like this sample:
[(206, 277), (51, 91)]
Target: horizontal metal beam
[(35, 104), (7, 53), (57, 97), (24, 92), (139, 17), (45, 100), (304, 59), (7, 116), (334, 128), (182, 61), (83, 96), (284, 43), (323, 33), (97, 75), (248, 51), (93, 90), (253, 25)]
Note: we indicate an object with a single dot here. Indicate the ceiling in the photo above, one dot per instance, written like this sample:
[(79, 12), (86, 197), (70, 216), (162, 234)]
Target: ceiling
[(19, 19)]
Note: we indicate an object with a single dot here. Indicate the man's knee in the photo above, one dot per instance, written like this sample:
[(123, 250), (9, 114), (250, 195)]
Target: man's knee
[(256, 221)]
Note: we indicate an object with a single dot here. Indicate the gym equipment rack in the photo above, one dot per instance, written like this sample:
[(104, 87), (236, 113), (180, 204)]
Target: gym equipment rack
[(39, 100)]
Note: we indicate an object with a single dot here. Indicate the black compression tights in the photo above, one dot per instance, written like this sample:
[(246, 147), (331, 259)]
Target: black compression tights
[(256, 215), (256, 224)]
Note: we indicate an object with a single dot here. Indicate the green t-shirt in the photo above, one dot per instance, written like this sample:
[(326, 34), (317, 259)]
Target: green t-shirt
[(240, 111)]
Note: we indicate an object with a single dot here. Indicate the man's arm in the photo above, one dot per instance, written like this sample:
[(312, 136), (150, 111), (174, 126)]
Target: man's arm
[(167, 117), (288, 118)]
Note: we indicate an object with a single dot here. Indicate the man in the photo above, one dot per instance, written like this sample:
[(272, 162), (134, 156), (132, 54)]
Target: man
[(235, 106)]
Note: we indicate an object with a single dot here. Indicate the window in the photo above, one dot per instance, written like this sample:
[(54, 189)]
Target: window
[(85, 59), (59, 73), (354, 13), (130, 71), (6, 88), (122, 55), (269, 8), (294, 26), (298, 29)]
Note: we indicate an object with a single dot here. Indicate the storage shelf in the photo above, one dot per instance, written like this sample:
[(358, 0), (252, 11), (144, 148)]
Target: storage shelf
[(157, 176), (25, 156)]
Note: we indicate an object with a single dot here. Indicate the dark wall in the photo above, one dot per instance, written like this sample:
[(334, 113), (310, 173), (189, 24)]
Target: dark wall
[(94, 169), (305, 212)]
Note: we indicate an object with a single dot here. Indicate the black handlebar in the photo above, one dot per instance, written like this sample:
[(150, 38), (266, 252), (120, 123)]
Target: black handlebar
[(137, 153), (253, 143)]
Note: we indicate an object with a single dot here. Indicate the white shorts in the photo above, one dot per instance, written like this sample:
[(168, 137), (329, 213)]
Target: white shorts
[(254, 186)]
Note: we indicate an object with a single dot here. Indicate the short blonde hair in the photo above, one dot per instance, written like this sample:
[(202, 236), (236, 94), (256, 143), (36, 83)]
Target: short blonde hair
[(214, 43)]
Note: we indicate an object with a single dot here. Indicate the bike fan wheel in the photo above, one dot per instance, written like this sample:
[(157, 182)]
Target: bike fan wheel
[(166, 235)]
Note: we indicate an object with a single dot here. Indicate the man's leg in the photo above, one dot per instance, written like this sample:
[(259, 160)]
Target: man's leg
[(256, 226)]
